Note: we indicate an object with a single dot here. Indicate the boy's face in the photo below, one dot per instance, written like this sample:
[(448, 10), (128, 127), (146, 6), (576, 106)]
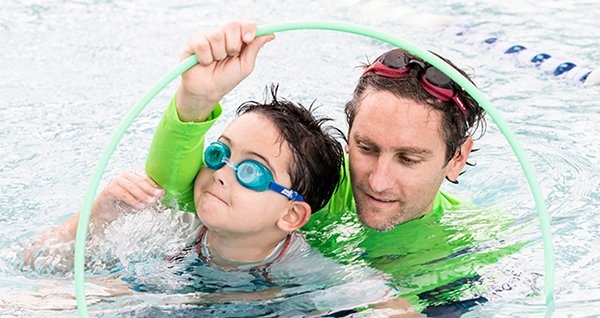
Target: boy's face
[(223, 204)]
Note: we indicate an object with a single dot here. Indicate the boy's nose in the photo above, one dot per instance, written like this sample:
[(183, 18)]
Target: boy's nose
[(221, 176)]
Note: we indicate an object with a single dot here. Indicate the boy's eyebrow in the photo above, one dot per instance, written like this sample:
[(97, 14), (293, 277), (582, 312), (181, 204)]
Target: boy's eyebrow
[(267, 163)]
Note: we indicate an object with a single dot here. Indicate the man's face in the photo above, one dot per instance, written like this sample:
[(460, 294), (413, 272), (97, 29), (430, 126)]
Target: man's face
[(397, 159)]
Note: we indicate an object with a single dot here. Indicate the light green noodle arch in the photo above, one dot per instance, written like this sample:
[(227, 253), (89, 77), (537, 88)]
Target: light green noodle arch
[(318, 25)]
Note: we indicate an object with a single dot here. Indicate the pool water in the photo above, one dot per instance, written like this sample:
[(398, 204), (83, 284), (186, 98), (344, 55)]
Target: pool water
[(72, 69)]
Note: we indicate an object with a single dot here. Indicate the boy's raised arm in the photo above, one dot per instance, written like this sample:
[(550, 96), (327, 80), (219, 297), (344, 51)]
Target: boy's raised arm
[(225, 56)]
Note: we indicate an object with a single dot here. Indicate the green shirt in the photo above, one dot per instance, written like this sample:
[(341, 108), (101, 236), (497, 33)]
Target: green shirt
[(426, 257)]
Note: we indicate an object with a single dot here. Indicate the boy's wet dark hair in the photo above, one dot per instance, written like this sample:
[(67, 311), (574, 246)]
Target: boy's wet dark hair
[(317, 157)]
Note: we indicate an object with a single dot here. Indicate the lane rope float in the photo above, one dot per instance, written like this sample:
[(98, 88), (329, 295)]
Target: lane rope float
[(79, 268), (556, 67)]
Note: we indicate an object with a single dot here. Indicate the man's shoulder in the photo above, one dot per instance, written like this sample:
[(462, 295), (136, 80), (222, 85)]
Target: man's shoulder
[(450, 201)]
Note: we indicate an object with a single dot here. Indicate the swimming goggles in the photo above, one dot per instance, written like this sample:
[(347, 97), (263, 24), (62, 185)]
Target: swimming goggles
[(249, 173), (396, 64)]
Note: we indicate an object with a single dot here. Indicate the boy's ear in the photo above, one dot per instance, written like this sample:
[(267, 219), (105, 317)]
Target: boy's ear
[(298, 213)]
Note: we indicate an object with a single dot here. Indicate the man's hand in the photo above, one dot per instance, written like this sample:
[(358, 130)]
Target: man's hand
[(225, 56), (134, 189)]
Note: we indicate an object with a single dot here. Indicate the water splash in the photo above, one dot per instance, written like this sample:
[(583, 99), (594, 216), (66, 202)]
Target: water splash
[(141, 236)]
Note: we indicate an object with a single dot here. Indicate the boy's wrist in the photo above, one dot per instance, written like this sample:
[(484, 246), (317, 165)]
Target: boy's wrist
[(193, 108)]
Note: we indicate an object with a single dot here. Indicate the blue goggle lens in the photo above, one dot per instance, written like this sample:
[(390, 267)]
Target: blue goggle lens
[(249, 173), (215, 154), (254, 175)]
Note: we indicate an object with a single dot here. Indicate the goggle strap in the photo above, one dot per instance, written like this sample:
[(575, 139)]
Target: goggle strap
[(290, 194), (383, 70), (461, 105)]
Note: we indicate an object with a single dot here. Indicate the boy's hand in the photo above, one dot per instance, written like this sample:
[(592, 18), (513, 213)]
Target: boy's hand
[(225, 57), (135, 189)]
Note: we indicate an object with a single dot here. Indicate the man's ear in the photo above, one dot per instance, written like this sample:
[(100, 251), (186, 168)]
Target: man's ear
[(459, 160), (298, 213)]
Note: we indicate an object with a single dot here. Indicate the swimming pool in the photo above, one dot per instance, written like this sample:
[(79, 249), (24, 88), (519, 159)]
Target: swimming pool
[(71, 70)]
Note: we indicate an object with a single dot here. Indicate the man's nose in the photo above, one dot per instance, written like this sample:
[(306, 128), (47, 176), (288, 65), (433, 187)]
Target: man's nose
[(382, 177)]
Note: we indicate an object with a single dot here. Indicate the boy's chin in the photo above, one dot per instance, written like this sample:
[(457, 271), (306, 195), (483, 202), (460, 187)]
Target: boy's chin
[(207, 210)]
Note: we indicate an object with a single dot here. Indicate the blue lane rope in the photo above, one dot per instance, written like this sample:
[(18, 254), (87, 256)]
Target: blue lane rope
[(553, 66), (84, 216)]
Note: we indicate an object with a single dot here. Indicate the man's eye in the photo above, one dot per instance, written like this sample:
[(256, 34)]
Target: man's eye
[(408, 160), (365, 148)]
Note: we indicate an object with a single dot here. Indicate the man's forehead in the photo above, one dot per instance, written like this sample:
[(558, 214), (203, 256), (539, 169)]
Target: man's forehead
[(375, 102), (383, 118)]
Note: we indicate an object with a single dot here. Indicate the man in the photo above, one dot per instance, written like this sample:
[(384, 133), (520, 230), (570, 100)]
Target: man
[(411, 127)]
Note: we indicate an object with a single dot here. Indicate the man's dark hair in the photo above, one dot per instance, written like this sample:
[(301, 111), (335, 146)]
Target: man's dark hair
[(454, 128), (317, 157)]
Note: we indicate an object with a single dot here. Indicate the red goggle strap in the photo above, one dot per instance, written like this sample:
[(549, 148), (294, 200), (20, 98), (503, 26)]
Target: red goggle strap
[(444, 94), (461, 105), (383, 70), (441, 93)]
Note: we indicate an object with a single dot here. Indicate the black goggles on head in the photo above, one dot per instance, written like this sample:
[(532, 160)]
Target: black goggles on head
[(396, 64)]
